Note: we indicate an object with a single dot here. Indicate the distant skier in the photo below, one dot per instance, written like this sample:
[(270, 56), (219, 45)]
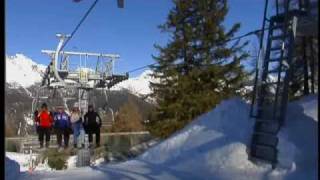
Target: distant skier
[(92, 125), (76, 122), (62, 126), (45, 125)]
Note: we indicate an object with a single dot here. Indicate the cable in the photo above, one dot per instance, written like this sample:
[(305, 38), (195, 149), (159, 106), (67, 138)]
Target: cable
[(232, 39), (139, 68), (79, 24)]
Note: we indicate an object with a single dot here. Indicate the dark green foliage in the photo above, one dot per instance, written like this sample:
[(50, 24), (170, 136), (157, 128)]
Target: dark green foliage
[(56, 160), (198, 67)]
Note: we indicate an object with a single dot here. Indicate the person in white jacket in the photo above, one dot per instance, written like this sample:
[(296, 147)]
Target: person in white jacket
[(76, 122)]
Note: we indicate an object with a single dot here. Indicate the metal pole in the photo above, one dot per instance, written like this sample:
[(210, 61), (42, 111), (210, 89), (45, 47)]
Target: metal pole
[(264, 22), (260, 58), (312, 65), (56, 57), (305, 69)]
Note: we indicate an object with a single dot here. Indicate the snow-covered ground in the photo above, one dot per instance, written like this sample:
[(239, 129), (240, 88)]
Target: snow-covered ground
[(23, 160), (12, 169), (214, 147)]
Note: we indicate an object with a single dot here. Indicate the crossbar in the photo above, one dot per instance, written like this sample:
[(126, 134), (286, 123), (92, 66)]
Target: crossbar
[(51, 52)]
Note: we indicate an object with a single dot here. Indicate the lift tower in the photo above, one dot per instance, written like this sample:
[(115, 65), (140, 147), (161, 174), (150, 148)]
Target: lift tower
[(292, 20), (90, 71)]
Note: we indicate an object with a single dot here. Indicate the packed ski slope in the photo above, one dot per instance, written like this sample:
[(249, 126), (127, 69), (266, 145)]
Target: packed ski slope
[(214, 147)]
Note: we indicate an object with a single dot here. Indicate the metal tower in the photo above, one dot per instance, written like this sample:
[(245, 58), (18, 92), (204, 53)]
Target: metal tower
[(273, 74), (76, 77)]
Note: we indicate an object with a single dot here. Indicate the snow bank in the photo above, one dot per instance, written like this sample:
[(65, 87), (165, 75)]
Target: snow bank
[(12, 169), (23, 161), (298, 140), (214, 145)]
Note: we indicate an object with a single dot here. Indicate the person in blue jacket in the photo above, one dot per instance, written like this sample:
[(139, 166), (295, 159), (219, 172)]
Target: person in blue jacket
[(62, 126)]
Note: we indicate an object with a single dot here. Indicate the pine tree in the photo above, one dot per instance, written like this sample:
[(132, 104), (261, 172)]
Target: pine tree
[(198, 67)]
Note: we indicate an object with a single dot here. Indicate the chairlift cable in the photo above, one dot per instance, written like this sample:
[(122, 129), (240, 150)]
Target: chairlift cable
[(79, 24), (232, 39)]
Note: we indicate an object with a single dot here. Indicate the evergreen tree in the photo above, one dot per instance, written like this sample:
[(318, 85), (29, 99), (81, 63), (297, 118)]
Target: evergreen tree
[(198, 67)]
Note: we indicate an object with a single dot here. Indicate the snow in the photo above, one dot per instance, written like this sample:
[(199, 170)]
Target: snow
[(23, 160), (137, 85), (71, 162), (12, 169), (21, 70), (28, 119), (214, 145)]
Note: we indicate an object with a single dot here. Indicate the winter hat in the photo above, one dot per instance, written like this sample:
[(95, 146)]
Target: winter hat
[(44, 105)]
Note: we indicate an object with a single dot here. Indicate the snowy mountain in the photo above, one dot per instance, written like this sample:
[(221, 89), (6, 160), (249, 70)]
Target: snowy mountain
[(137, 85), (22, 71)]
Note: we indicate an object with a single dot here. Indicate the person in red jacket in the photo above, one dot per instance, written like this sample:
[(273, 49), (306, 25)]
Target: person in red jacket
[(45, 124)]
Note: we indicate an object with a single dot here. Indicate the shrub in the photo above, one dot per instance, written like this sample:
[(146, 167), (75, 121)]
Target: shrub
[(56, 160), (128, 119)]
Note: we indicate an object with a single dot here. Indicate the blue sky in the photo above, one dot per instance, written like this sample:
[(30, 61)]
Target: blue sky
[(131, 32)]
